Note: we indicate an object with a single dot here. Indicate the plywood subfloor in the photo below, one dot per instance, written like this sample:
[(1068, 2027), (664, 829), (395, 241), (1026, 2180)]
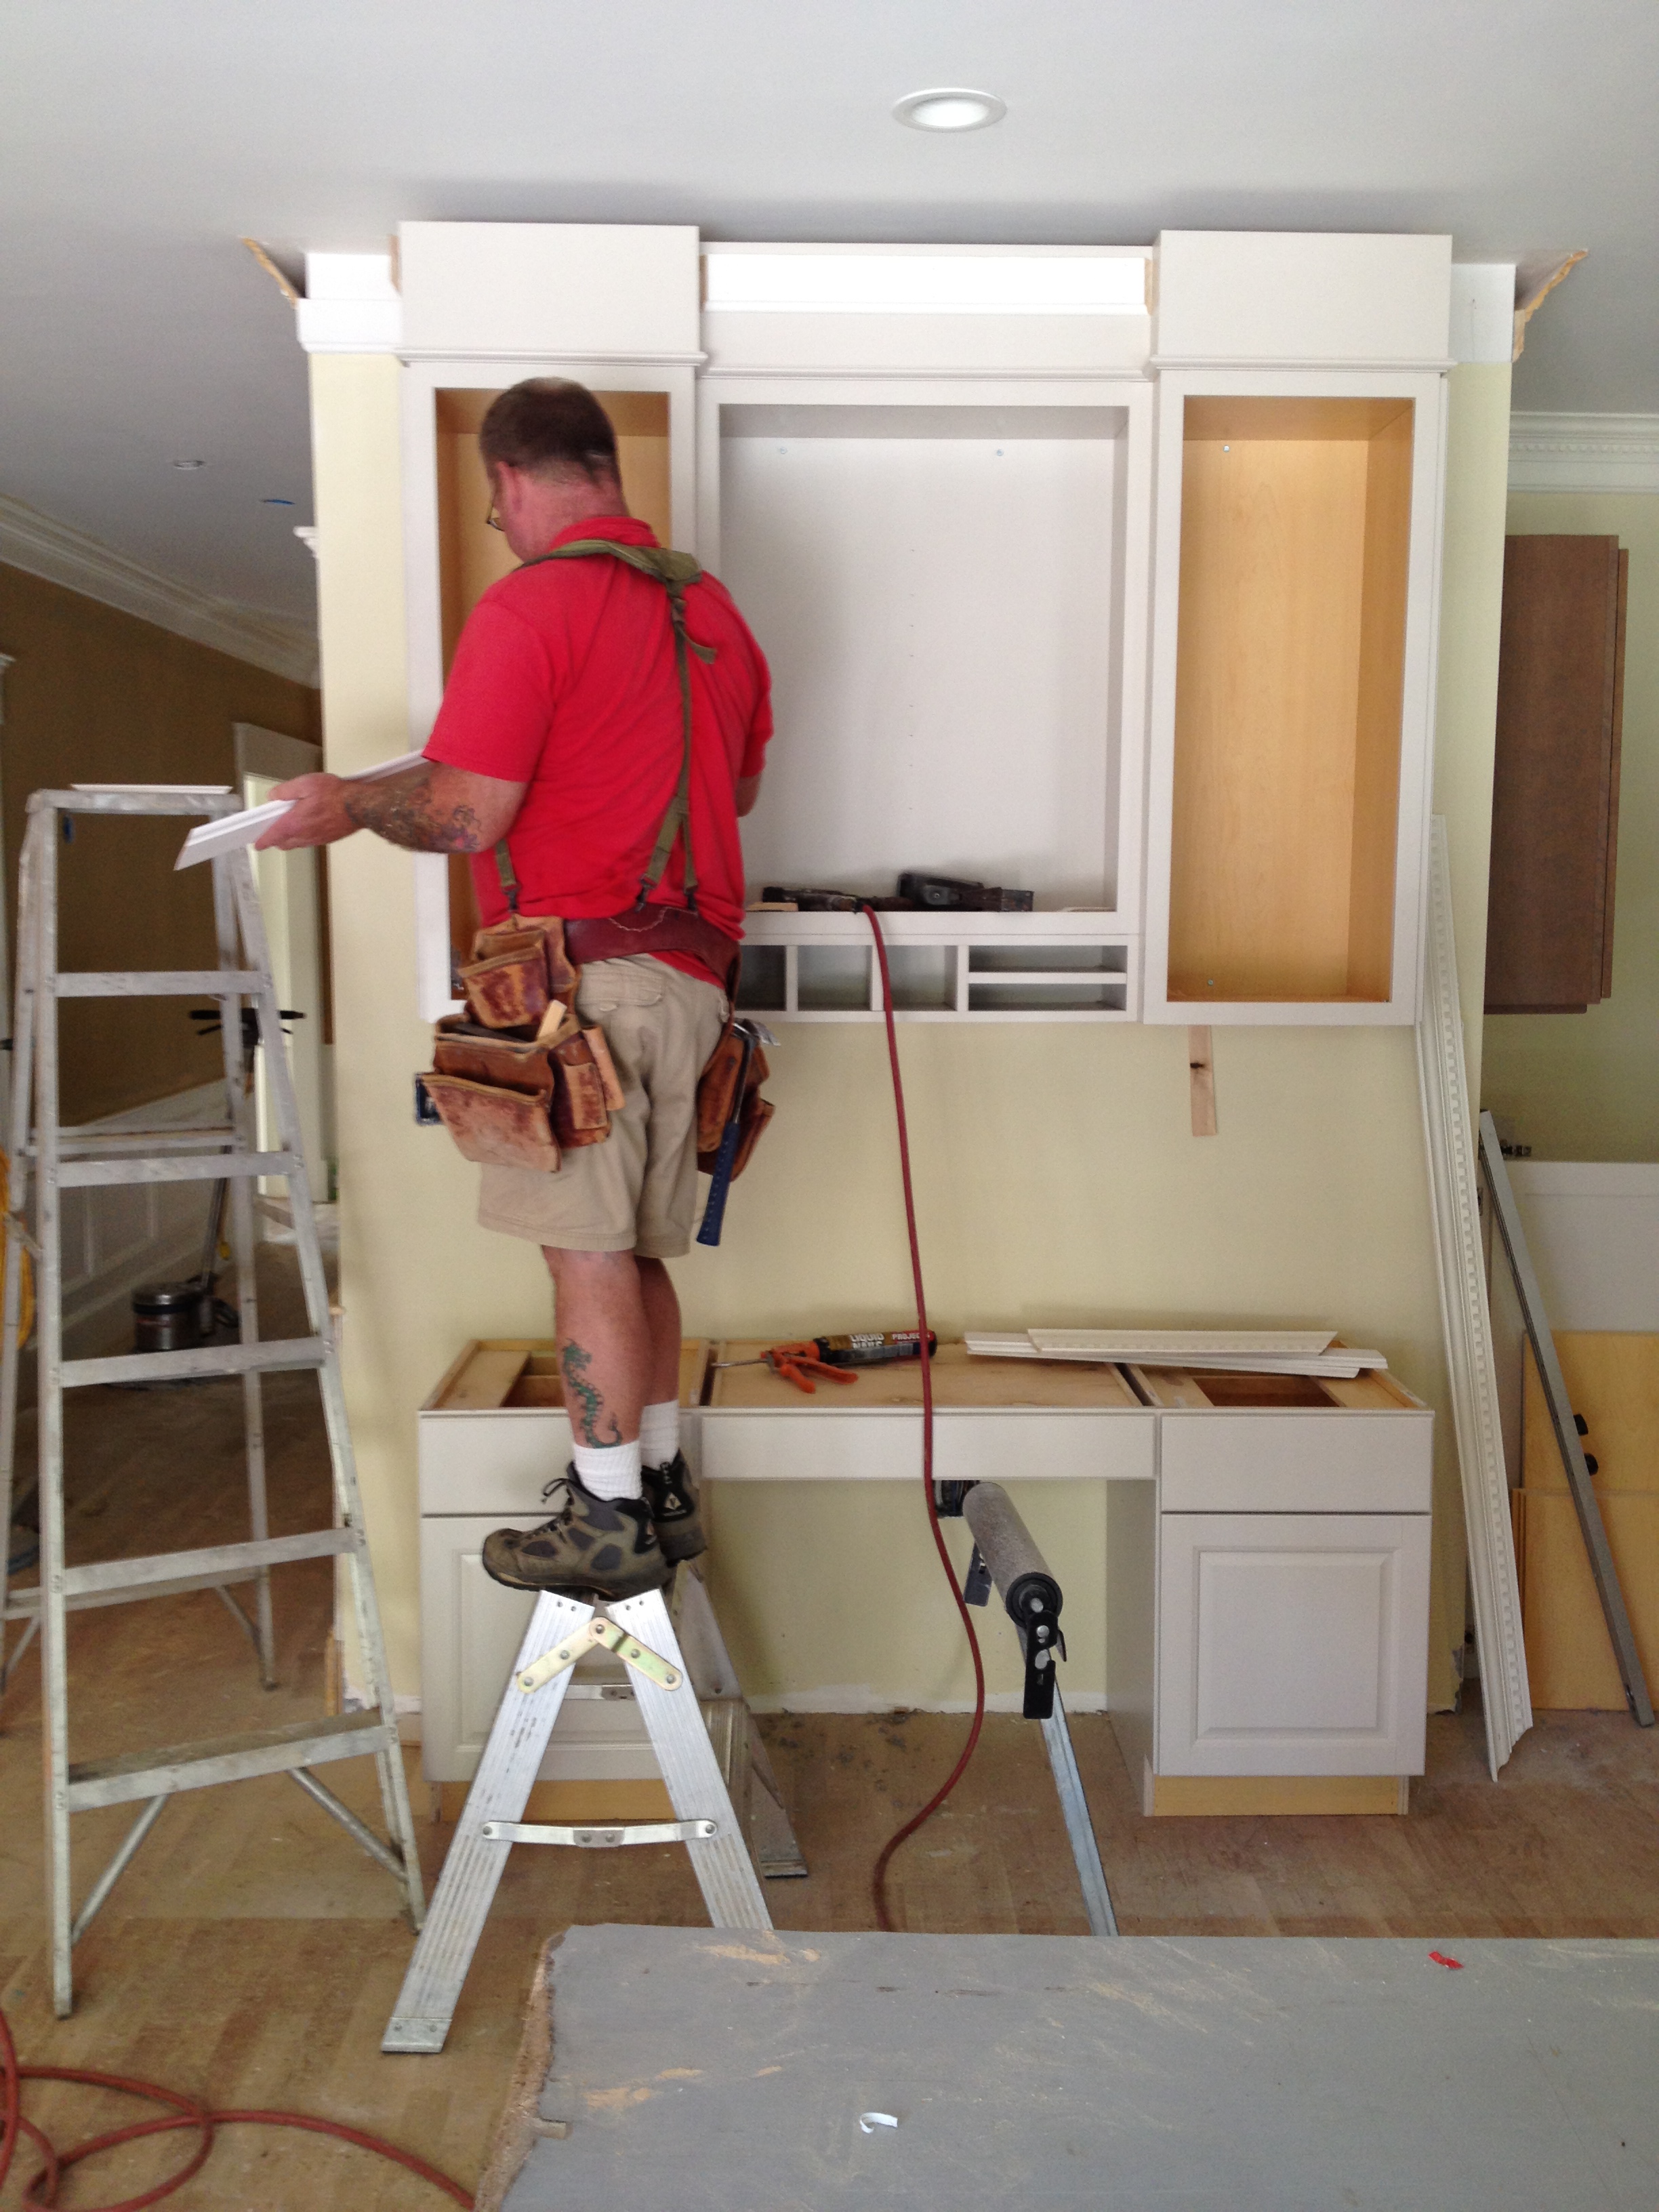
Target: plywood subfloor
[(251, 1954)]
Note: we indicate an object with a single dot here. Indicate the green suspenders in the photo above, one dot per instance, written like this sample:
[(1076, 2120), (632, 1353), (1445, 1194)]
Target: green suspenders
[(674, 571)]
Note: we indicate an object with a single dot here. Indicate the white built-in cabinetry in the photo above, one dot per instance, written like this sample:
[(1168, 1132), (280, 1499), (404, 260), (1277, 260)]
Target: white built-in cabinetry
[(1267, 1609), (1268, 1551), (1099, 571)]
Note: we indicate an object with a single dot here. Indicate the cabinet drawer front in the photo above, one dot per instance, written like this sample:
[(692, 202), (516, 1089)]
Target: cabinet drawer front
[(471, 1629), (1293, 1643), (886, 1447), (501, 1461), (1337, 1462)]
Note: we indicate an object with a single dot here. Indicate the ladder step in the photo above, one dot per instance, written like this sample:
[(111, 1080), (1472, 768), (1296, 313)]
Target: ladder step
[(214, 1562), (225, 1759), (212, 1359), (73, 1142), (205, 1167), (25, 1604), (159, 982)]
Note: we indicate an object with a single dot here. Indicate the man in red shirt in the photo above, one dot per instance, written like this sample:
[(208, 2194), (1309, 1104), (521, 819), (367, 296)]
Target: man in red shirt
[(562, 739)]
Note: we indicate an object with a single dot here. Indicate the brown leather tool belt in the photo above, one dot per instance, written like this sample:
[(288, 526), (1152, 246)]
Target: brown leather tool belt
[(657, 929)]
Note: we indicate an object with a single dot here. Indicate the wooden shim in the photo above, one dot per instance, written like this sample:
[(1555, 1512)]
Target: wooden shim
[(1200, 1063), (1449, 1133), (1536, 1321)]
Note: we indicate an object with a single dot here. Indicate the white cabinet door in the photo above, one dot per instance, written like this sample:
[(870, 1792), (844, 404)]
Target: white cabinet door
[(1293, 1643), (470, 1632)]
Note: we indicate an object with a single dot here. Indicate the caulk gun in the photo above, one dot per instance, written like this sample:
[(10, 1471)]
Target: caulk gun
[(831, 1357)]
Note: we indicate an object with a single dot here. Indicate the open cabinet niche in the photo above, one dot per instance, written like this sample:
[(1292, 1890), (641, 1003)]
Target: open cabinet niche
[(1295, 541), (939, 588), (472, 556), (1291, 722)]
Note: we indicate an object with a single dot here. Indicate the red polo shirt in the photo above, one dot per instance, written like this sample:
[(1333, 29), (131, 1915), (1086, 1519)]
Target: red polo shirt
[(564, 679)]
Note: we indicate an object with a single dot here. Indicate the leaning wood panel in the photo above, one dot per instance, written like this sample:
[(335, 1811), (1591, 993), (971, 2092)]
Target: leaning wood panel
[(1549, 918), (1613, 1379), (1570, 1655)]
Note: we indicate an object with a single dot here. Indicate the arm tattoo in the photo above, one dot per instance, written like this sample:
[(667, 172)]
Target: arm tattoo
[(583, 1400), (401, 812)]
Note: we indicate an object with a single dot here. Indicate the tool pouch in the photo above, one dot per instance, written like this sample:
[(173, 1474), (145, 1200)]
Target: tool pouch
[(495, 1095), (717, 1097), (496, 1128), (518, 969), (580, 1113)]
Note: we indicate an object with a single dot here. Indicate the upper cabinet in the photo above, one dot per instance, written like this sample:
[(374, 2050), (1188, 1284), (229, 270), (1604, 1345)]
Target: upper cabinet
[(1293, 619), (1095, 574), (1555, 782)]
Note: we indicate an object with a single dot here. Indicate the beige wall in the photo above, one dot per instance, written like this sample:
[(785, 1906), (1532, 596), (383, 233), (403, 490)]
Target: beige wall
[(97, 696), (1057, 1176), (1586, 1086)]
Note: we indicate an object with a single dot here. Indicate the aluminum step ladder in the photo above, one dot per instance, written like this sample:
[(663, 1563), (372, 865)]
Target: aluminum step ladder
[(54, 1159), (706, 1746)]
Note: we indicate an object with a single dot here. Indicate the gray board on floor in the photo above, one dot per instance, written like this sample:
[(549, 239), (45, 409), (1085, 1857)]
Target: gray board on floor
[(711, 2069)]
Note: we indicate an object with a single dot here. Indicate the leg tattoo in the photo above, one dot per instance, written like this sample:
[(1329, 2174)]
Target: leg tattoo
[(585, 1399)]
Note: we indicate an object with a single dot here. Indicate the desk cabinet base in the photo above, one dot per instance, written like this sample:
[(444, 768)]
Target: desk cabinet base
[(1246, 1794)]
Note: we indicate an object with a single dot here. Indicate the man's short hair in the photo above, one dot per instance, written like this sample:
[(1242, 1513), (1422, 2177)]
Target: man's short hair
[(549, 426)]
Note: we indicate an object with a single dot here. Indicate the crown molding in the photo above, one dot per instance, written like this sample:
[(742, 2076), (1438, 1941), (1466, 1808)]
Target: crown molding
[(34, 543), (1585, 452)]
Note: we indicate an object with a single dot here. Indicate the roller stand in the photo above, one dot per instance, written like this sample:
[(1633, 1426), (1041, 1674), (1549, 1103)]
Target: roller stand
[(1006, 1559)]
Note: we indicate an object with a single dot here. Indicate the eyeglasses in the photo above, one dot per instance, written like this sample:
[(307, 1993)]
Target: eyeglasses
[(492, 520)]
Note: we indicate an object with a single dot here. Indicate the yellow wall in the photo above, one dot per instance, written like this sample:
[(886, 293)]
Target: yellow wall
[(1586, 1086), (97, 696), (1057, 1178)]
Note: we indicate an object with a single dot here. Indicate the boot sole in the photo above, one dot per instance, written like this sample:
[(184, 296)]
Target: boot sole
[(577, 1589)]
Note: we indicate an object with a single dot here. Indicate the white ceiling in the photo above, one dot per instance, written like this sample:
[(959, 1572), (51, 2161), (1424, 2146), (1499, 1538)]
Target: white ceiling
[(139, 139)]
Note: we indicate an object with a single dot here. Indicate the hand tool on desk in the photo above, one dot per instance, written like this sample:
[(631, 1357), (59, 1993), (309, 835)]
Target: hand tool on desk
[(833, 1356)]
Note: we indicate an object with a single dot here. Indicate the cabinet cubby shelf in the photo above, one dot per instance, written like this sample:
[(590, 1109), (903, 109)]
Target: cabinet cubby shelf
[(945, 966)]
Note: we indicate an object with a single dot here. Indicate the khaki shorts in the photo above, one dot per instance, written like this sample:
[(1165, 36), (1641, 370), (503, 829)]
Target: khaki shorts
[(636, 1192)]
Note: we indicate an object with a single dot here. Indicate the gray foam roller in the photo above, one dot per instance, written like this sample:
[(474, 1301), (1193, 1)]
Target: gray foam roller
[(1003, 1540)]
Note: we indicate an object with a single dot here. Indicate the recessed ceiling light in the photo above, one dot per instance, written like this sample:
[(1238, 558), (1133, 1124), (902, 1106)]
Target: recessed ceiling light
[(190, 464), (950, 107)]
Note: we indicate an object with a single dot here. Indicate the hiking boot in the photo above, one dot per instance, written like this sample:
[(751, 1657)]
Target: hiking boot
[(672, 1497), (598, 1546)]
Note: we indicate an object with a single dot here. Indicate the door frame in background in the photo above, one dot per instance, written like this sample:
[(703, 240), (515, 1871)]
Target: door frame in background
[(291, 893)]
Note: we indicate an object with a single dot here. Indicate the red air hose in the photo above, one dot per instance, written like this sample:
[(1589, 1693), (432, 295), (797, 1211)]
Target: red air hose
[(184, 2112), (878, 1879)]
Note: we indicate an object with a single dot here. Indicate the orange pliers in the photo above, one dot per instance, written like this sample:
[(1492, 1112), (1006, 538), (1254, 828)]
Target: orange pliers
[(799, 1363)]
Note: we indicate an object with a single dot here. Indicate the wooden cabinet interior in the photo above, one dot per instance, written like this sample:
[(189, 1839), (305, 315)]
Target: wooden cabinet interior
[(471, 557), (1295, 528), (1555, 782)]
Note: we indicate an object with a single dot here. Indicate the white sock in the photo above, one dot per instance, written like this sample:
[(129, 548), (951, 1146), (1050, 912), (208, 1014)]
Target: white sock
[(659, 1432), (610, 1470)]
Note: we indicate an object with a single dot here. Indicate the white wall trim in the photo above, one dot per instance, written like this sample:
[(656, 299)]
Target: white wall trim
[(352, 304), (1466, 1316), (1482, 311), (1585, 452), (34, 543)]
